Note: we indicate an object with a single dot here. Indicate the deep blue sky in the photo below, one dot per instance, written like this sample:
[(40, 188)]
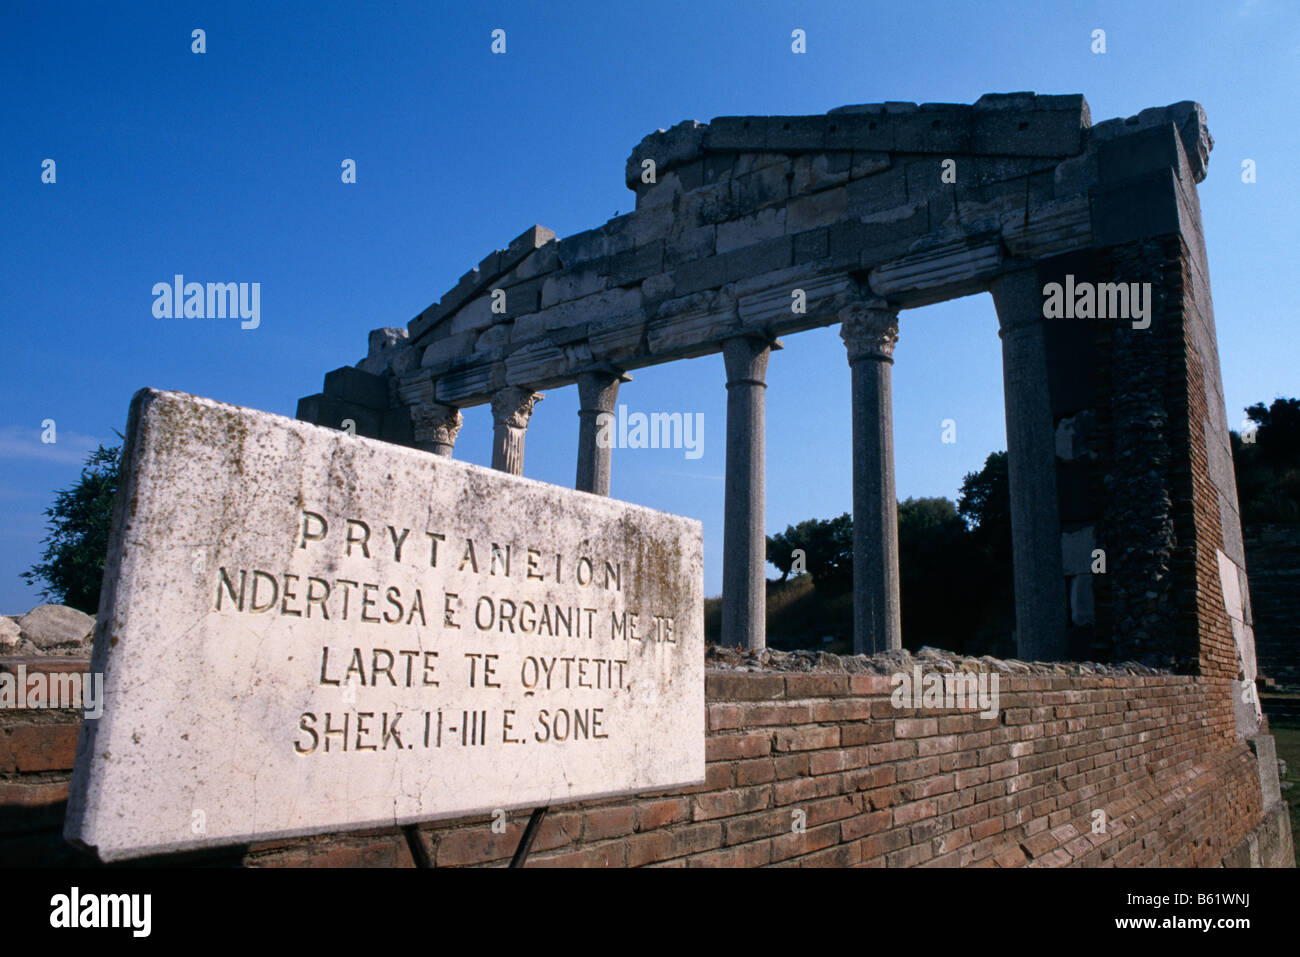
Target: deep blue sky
[(225, 167)]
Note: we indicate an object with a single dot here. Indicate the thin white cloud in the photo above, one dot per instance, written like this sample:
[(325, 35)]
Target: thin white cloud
[(23, 442)]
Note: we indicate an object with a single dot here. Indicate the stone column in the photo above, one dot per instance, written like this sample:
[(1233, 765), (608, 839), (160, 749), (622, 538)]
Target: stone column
[(597, 393), (1041, 605), (744, 544), (870, 330), (511, 409), (435, 427)]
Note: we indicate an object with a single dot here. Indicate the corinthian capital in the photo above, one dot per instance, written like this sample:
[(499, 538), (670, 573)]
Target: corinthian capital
[(435, 424), (513, 407), (869, 330)]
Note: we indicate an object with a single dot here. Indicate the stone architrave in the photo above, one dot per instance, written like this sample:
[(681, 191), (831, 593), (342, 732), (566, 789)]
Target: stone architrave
[(435, 426), (512, 407), (306, 631), (870, 331)]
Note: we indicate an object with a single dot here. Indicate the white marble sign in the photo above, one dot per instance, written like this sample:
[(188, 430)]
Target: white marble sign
[(304, 631)]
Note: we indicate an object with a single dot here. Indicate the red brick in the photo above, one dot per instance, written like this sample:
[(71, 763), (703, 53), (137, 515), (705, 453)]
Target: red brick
[(838, 759), (865, 824), (805, 789), (745, 855), (662, 813), (871, 684), (729, 747), (724, 717), (729, 803), (874, 732), (742, 830), (916, 727), (841, 709), (807, 739), (741, 686), (601, 823), (813, 839), (757, 771), (38, 747), (907, 813), (603, 855), (647, 848)]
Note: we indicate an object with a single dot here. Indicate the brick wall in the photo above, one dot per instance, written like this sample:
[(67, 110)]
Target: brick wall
[(871, 785)]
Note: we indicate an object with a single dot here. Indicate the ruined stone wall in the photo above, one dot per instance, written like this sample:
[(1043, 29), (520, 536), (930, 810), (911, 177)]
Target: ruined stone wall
[(870, 784), (1273, 559)]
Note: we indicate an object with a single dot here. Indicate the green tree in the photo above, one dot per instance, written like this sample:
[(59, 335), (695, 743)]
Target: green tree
[(1268, 464), (827, 546), (984, 502), (72, 568)]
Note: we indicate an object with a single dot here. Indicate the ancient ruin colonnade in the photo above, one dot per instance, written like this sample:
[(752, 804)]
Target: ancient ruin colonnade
[(859, 214)]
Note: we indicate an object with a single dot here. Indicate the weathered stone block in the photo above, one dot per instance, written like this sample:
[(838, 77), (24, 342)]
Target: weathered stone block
[(573, 283), (1140, 208), (352, 385), (1187, 116), (332, 413), (1145, 151), (759, 258), (815, 210), (706, 206), (737, 133), (669, 148), (785, 133), (238, 725), (699, 274), (1027, 133), (925, 179), (616, 339), (444, 351), (946, 131), (816, 171), (764, 187), (55, 626), (544, 260), (748, 230), (718, 167), (878, 193), (583, 247), (811, 245), (867, 163), (860, 131), (633, 265)]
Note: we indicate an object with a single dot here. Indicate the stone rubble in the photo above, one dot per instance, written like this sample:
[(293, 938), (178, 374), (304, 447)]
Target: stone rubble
[(52, 630), (891, 662)]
